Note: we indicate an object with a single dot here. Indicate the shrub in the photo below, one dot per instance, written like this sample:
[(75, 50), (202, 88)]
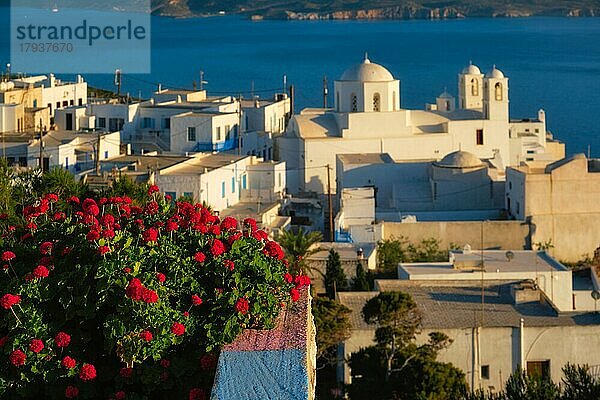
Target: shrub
[(103, 296)]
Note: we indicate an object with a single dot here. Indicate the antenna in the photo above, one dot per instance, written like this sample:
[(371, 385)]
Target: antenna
[(202, 81)]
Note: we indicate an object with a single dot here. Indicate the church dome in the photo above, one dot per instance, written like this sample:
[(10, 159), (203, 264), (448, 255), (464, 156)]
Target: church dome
[(494, 73), (460, 159), (471, 70), (367, 72)]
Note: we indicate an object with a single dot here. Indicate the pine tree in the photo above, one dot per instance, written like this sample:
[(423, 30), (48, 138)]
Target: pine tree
[(335, 279), (361, 282)]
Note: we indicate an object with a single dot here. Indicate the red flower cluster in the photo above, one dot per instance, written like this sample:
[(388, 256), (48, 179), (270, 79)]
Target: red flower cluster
[(146, 335), (230, 265), (120, 395), (196, 300), (273, 249), (229, 224), (136, 291), (40, 272), (17, 358), (160, 277), (62, 339), (46, 248), (177, 329), (217, 248), (200, 257), (126, 372), (294, 294), (8, 255), (87, 373), (68, 362), (152, 189), (36, 345), (242, 306), (150, 235), (9, 300), (102, 250)]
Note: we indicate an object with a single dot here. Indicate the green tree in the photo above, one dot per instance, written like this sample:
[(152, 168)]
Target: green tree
[(332, 323), (522, 386), (126, 186), (398, 318), (361, 281), (335, 278), (391, 252), (62, 183), (578, 384), (298, 246)]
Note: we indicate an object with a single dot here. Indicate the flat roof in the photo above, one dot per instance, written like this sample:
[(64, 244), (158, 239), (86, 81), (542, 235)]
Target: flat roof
[(202, 162), (248, 209), (145, 161), (366, 158), (493, 261), (457, 304), (347, 251)]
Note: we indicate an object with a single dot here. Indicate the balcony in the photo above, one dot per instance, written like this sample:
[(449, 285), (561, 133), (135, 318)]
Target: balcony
[(228, 144)]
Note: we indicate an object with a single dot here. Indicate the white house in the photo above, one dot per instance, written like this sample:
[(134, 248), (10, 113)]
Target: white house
[(368, 118)]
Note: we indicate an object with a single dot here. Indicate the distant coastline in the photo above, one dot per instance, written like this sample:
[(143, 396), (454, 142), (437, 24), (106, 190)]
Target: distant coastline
[(375, 10)]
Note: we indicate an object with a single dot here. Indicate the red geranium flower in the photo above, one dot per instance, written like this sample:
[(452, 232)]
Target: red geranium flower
[(103, 250), (149, 296), (217, 248), (196, 300), (295, 294), (165, 363), (250, 223), (171, 226), (160, 277), (36, 345), (62, 339), (242, 306), (215, 230), (108, 234), (17, 358), (59, 216), (51, 197), (273, 249), (93, 235), (200, 257), (288, 277), (126, 372), (229, 223), (150, 235), (152, 189), (68, 362), (177, 329), (8, 255), (146, 335), (40, 272), (120, 395), (9, 300), (71, 392), (92, 210), (46, 248), (87, 373)]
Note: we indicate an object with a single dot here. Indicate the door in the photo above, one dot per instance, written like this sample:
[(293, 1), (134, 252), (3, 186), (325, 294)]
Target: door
[(69, 122)]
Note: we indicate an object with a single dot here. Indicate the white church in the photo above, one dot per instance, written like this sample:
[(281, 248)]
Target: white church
[(368, 118)]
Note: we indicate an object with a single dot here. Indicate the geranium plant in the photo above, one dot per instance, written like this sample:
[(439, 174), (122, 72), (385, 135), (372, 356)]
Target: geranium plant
[(103, 298)]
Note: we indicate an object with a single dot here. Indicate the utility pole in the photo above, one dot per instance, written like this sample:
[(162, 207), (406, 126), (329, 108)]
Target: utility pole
[(41, 156), (330, 206), (118, 81), (292, 93), (98, 154), (325, 91), (202, 81)]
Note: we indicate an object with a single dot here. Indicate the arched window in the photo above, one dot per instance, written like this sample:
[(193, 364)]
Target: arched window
[(394, 101), (474, 87), (376, 102), (498, 91), (354, 102)]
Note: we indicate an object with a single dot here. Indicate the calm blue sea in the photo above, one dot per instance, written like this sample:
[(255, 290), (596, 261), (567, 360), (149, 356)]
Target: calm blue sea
[(552, 63)]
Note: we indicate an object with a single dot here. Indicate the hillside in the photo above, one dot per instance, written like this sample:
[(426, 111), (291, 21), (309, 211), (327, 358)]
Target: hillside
[(378, 9)]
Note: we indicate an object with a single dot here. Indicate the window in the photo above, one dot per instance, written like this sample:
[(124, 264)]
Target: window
[(447, 105), (232, 185), (116, 124), (191, 133), (106, 154), (101, 122), (71, 102), (22, 161), (66, 103), (66, 162), (509, 185), (376, 102), (147, 123), (218, 133), (474, 87), (518, 208), (244, 181), (58, 104), (80, 101), (498, 91), (479, 137), (223, 189), (188, 195), (50, 107), (166, 123), (227, 129), (485, 372), (337, 101), (354, 102), (539, 369), (269, 153)]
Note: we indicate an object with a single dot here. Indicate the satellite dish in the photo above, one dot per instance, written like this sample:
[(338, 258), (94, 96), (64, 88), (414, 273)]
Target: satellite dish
[(596, 294), (509, 255)]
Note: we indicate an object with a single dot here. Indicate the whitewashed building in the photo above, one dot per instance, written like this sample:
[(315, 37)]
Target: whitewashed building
[(368, 118)]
